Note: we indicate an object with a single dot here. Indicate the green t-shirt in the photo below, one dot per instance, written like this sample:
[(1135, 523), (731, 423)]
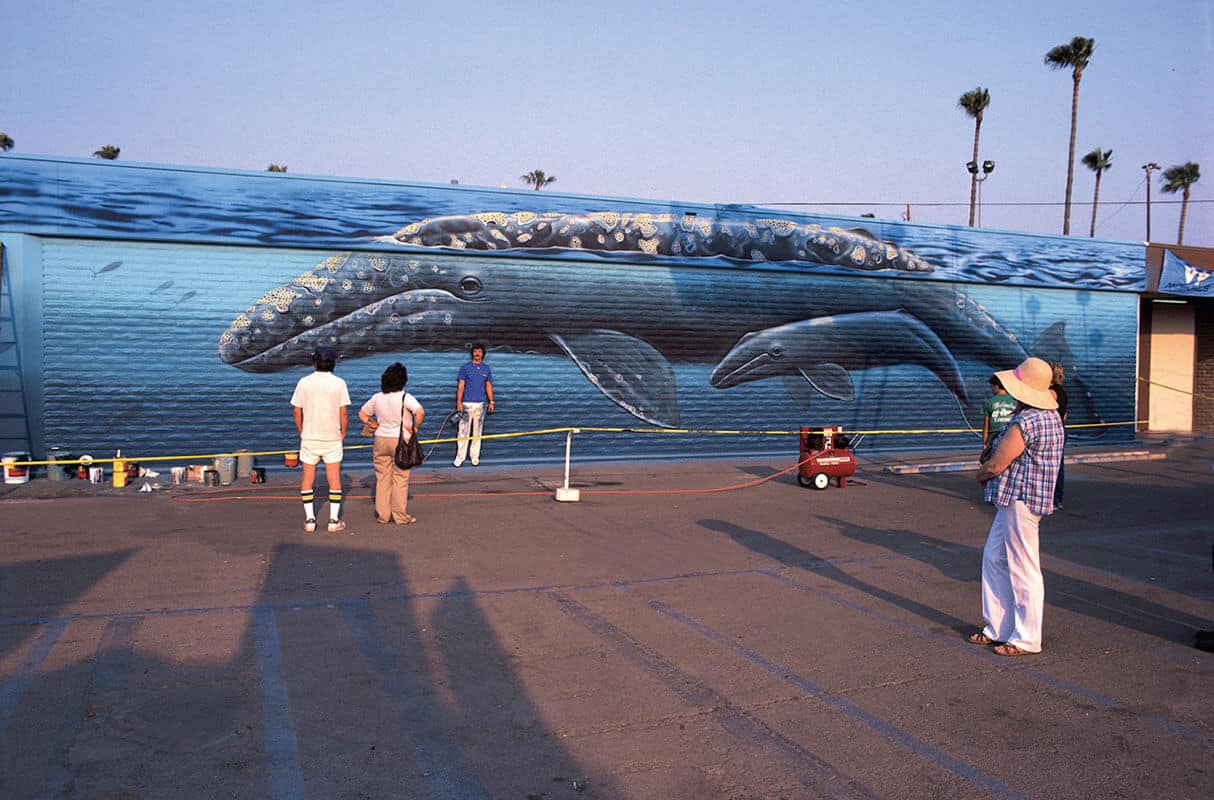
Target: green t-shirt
[(998, 409)]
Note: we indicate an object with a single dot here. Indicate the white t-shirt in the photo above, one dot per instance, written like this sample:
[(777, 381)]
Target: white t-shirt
[(321, 395), (386, 410)]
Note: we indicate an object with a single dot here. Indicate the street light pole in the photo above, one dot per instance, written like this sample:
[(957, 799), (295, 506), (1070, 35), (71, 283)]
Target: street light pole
[(1149, 168), (987, 168)]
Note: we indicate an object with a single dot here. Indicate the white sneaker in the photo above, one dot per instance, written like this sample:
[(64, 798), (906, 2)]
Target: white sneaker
[(309, 526), (476, 463), (337, 525), (457, 463)]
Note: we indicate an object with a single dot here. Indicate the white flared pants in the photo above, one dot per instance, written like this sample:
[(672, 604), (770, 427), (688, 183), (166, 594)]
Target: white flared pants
[(1013, 590)]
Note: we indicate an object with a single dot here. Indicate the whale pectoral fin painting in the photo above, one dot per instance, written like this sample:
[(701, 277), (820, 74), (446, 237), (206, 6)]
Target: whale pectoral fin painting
[(823, 350), (629, 371), (830, 380)]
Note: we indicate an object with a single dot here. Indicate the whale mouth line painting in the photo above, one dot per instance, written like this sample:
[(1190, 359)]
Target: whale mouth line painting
[(593, 311)]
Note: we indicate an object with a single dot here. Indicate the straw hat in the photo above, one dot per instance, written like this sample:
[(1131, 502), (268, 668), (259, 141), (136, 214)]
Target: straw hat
[(1030, 383)]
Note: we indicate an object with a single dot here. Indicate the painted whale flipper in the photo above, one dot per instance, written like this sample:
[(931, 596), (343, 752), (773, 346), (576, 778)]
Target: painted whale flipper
[(629, 371), (831, 380), (800, 392)]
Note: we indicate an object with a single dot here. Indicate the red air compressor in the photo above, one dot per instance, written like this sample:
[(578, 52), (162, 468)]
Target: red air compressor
[(825, 453)]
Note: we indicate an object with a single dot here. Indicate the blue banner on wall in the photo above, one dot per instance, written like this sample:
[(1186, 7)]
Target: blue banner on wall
[(1181, 277)]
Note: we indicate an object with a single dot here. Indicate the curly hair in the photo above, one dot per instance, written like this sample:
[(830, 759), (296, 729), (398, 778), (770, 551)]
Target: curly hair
[(395, 378)]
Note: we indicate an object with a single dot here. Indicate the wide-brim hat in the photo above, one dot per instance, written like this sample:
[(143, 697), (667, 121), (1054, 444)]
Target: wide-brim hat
[(1030, 383)]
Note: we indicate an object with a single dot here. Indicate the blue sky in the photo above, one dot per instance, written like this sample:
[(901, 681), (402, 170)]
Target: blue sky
[(756, 102)]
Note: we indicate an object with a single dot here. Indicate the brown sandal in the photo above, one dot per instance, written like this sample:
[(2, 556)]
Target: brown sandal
[(980, 638), (1011, 650)]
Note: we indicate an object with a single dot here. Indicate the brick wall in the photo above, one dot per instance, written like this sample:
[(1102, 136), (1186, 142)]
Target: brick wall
[(1203, 374)]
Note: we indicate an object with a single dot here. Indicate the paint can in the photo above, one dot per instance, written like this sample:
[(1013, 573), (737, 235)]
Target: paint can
[(119, 471), (226, 467), (258, 474), (244, 464), (178, 475), (291, 459), (210, 477), (82, 470), (96, 474), (55, 470), (14, 474)]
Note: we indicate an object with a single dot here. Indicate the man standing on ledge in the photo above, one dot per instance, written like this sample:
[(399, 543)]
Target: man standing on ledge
[(472, 391), (321, 403)]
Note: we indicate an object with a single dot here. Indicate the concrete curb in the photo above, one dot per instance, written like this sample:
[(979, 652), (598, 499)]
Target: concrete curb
[(972, 464)]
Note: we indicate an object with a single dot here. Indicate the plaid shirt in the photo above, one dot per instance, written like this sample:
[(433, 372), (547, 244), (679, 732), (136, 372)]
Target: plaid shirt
[(1032, 475)]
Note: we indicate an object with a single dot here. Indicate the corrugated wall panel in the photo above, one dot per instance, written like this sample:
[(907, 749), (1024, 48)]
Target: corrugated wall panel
[(132, 333)]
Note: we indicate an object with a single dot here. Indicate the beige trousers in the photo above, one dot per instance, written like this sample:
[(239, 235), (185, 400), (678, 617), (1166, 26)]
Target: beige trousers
[(391, 482)]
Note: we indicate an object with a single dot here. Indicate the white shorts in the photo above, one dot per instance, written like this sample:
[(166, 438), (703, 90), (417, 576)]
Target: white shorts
[(313, 451)]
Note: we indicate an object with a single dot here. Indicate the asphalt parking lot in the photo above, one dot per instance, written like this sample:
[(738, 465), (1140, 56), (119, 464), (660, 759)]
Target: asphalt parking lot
[(702, 629)]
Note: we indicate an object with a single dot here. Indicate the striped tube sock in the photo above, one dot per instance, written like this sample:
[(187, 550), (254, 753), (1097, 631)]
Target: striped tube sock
[(334, 504), (307, 496)]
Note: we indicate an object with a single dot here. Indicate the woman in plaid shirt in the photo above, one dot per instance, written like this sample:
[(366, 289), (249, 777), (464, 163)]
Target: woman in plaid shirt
[(1019, 480)]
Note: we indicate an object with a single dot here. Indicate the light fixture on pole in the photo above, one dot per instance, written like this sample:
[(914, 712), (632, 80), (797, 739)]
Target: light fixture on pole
[(987, 168), (1149, 168)]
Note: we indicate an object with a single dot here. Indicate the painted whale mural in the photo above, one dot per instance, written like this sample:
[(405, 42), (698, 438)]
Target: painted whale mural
[(621, 327), (688, 235)]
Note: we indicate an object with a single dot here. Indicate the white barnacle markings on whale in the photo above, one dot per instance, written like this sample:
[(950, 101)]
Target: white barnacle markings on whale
[(575, 242), (525, 217), (858, 254), (309, 320), (267, 315), (496, 234), (313, 281), (618, 236), (280, 298), (240, 323), (368, 287), (780, 227), (347, 285), (648, 245), (491, 217), (523, 238), (602, 239), (377, 263), (606, 219)]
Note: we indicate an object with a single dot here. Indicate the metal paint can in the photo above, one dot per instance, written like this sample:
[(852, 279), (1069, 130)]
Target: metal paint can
[(244, 463), (291, 459), (258, 474), (226, 467), (96, 474), (178, 476), (55, 470), (210, 477)]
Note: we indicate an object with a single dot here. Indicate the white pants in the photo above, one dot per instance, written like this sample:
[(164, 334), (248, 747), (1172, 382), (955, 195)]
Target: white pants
[(471, 424), (1013, 591)]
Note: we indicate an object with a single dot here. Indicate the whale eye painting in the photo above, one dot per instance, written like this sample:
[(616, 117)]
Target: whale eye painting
[(186, 312)]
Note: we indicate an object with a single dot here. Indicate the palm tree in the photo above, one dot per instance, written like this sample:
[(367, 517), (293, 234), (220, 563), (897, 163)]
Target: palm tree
[(1097, 161), (6, 142), (1181, 176), (1073, 56), (974, 103), (109, 152), (538, 179), (276, 168)]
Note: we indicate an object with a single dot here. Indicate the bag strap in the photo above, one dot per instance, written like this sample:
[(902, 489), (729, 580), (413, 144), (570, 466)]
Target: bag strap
[(400, 430)]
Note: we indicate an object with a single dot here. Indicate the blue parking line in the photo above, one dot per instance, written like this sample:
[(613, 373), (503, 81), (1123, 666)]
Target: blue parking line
[(938, 757), (282, 748), (14, 689)]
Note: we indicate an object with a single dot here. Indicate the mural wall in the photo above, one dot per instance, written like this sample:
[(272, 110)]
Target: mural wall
[(178, 308)]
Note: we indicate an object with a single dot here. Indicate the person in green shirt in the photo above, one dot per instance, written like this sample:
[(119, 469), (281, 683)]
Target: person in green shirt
[(996, 413)]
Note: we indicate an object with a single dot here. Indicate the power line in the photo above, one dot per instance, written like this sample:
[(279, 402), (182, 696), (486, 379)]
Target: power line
[(966, 204)]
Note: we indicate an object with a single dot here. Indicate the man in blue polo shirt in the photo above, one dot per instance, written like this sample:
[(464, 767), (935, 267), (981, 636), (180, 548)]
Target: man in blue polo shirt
[(473, 390)]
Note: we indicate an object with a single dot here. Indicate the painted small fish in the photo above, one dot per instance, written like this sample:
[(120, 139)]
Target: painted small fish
[(110, 267)]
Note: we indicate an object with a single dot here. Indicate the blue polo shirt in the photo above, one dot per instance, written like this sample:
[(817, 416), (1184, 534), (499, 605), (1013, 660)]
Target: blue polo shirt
[(475, 376)]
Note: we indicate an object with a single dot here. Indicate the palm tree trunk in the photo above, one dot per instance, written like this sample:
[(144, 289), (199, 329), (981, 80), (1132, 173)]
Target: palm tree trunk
[(1184, 209), (974, 174), (1095, 202), (1070, 158)]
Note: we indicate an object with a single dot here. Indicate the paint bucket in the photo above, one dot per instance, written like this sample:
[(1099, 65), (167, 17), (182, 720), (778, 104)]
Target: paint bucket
[(119, 473), (226, 467), (96, 474), (291, 459), (55, 470), (210, 477), (258, 474), (82, 470), (244, 464), (178, 475), (16, 474)]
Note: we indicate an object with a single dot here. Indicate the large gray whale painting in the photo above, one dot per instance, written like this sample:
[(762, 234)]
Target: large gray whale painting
[(623, 327)]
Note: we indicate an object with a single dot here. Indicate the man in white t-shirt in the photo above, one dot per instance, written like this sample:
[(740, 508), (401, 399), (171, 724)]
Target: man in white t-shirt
[(321, 403)]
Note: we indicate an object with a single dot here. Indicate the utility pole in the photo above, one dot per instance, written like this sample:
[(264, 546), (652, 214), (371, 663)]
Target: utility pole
[(1149, 168)]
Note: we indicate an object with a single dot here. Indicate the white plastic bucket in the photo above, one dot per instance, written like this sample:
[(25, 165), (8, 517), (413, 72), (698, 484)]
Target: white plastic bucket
[(15, 474)]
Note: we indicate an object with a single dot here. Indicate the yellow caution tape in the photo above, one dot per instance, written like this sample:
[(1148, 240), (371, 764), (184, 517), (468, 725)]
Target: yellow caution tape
[(1174, 389), (546, 431)]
